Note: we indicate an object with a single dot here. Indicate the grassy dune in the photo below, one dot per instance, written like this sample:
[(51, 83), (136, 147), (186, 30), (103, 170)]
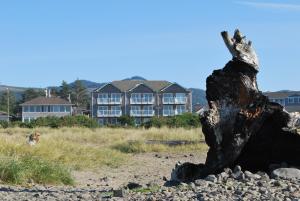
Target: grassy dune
[(80, 148)]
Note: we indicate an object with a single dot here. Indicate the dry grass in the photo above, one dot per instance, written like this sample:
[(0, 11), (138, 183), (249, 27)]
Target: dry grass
[(81, 148)]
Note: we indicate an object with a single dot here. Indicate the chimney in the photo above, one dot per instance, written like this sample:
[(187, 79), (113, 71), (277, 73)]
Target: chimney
[(49, 93), (46, 93)]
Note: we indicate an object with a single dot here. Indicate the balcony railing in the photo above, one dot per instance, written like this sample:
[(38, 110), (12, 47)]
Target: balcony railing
[(180, 100), (172, 112), (109, 101), (142, 113), (142, 101), (168, 100), (109, 113)]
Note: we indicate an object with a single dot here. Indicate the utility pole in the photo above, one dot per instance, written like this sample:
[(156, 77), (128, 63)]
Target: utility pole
[(7, 105)]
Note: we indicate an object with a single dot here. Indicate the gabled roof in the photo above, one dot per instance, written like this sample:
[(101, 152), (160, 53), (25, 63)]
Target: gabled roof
[(126, 85), (47, 101), (171, 84), (141, 84)]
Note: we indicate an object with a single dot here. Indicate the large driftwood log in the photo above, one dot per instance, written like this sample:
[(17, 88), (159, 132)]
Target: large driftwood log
[(242, 127)]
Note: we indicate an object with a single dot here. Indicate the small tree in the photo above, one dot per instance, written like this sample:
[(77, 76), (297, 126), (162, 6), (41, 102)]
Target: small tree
[(65, 90), (31, 94), (126, 120), (80, 94), (8, 98)]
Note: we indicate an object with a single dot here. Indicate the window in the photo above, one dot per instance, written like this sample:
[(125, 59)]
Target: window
[(136, 98), (31, 109), (180, 109), (116, 111), (148, 98), (135, 111), (148, 110), (168, 110), (38, 108), (54, 108), (65, 108), (102, 98), (180, 98), (291, 100), (46, 108), (103, 111), (115, 98), (25, 109), (168, 98), (296, 100)]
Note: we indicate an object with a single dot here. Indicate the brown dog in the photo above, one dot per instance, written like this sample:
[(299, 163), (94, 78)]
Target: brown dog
[(34, 138)]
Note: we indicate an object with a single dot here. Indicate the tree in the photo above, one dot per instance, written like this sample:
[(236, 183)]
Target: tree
[(65, 90), (5, 96), (31, 94), (80, 94)]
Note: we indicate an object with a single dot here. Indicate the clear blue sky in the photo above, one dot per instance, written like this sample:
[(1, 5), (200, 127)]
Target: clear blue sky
[(45, 42)]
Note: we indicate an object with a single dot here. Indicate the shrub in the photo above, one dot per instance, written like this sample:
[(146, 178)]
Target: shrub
[(20, 170), (4, 124), (126, 120), (187, 120)]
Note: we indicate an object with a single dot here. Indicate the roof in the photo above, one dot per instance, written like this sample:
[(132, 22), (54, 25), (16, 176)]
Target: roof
[(281, 94), (126, 85), (47, 101)]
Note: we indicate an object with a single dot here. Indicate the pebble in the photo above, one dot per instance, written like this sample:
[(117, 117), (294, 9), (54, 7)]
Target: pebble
[(214, 187)]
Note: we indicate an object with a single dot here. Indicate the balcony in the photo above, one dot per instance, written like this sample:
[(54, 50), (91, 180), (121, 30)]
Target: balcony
[(180, 100), (141, 101), (169, 113), (168, 100), (142, 113), (109, 101), (109, 113)]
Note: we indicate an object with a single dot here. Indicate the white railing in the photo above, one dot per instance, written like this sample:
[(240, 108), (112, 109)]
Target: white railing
[(109, 113), (180, 100), (141, 101), (142, 113), (168, 100), (169, 112), (108, 101)]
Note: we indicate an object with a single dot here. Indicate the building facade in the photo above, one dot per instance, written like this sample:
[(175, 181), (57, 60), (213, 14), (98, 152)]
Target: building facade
[(289, 100), (139, 99), (4, 116), (45, 106)]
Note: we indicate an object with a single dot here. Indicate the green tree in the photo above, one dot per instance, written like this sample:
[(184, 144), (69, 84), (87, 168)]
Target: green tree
[(80, 94), (8, 98), (65, 90), (31, 94)]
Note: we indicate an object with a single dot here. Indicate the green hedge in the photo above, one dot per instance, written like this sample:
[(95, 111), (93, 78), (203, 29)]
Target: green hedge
[(187, 120), (58, 122)]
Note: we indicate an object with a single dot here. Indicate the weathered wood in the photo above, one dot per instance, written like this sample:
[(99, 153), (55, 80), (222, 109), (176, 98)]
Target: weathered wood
[(242, 127), (240, 49)]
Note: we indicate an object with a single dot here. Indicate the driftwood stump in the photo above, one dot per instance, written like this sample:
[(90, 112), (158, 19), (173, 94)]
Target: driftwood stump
[(242, 127)]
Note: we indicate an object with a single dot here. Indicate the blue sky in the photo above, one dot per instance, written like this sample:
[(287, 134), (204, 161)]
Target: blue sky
[(45, 42)]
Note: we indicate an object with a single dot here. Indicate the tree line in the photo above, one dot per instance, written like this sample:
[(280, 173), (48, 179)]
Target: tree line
[(76, 92)]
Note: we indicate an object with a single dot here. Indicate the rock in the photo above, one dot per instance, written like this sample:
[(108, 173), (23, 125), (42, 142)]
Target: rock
[(242, 127), (201, 182), (249, 175), (133, 185), (286, 173), (119, 193), (237, 169), (211, 178)]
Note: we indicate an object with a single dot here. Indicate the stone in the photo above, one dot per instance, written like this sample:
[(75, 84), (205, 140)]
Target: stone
[(211, 178), (286, 173), (119, 193), (133, 185)]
